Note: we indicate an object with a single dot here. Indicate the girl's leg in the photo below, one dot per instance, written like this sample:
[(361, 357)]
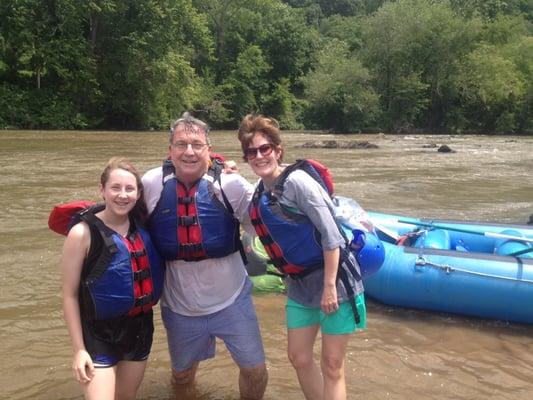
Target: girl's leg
[(300, 352), (332, 363), (129, 377), (102, 386)]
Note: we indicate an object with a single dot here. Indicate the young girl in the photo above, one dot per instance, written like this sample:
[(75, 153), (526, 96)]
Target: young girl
[(112, 276), (293, 216)]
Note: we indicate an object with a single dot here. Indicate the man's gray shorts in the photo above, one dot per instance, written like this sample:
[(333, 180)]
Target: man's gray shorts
[(192, 339)]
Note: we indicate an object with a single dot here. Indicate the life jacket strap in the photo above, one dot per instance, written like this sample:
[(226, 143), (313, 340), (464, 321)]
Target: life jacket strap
[(110, 246), (346, 266), (142, 274), (305, 272), (138, 253), (237, 238), (186, 200), (187, 220), (189, 248), (143, 300), (255, 221), (267, 240), (279, 263)]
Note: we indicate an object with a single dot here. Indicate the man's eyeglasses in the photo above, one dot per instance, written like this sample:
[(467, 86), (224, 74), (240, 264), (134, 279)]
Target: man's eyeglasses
[(265, 149), (182, 146)]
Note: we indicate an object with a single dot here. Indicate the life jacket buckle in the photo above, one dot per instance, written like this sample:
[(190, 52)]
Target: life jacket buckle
[(187, 220), (141, 275), (144, 300)]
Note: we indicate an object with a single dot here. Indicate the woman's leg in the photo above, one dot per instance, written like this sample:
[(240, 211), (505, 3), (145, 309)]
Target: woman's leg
[(102, 386), (332, 363), (300, 352), (129, 377)]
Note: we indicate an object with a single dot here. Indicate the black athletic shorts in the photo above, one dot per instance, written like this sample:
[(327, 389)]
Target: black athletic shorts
[(119, 339)]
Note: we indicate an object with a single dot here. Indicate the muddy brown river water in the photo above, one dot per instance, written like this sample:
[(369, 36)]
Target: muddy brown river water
[(404, 354)]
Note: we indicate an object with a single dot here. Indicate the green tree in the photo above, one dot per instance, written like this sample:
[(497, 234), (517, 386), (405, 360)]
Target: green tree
[(247, 84), (416, 43), (347, 29), (45, 59), (493, 83), (145, 52), (281, 40), (492, 91), (342, 7), (338, 91), (521, 53), (284, 105), (504, 30), (492, 9)]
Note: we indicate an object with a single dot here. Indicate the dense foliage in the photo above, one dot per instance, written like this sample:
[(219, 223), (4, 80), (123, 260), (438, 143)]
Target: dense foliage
[(344, 65)]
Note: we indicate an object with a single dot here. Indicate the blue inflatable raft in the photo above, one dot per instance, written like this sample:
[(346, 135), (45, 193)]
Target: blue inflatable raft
[(470, 268)]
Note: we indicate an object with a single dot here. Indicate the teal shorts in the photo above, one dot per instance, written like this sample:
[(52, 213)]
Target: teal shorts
[(340, 322)]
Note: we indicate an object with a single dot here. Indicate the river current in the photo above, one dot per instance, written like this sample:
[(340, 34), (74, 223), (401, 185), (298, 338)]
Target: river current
[(404, 354)]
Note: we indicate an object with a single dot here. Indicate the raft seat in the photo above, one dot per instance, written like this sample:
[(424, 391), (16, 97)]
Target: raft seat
[(434, 239), (504, 247)]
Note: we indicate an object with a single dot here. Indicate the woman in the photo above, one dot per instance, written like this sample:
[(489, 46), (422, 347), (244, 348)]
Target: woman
[(292, 215), (112, 276)]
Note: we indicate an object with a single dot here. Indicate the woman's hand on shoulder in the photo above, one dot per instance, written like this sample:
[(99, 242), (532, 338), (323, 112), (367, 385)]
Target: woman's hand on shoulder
[(231, 167), (83, 366)]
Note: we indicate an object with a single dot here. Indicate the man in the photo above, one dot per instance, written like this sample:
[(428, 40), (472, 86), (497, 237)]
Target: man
[(194, 222)]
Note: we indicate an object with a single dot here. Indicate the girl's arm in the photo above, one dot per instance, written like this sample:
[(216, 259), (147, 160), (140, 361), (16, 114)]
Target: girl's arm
[(75, 251)]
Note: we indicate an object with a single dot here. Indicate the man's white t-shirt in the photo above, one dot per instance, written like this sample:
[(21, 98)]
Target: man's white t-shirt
[(203, 287)]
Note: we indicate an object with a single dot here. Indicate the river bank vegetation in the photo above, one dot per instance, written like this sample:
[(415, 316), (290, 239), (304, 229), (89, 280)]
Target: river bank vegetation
[(341, 65)]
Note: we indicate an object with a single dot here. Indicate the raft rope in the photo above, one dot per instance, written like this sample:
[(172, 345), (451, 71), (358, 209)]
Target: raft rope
[(422, 262)]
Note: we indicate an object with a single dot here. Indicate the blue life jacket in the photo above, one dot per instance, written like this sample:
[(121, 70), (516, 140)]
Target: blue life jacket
[(192, 223), (124, 277), (290, 239)]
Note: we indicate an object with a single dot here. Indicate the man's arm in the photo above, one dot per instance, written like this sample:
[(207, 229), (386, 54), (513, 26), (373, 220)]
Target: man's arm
[(239, 193), (152, 186)]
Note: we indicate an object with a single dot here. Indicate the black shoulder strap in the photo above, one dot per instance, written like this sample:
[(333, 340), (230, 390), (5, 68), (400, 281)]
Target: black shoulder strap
[(342, 274), (215, 170), (106, 234), (168, 169), (278, 188), (304, 165)]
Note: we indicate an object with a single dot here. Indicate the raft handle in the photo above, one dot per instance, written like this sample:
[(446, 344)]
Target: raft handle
[(422, 262)]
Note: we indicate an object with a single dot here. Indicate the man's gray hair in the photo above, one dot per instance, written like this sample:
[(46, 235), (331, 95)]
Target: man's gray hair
[(190, 124)]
